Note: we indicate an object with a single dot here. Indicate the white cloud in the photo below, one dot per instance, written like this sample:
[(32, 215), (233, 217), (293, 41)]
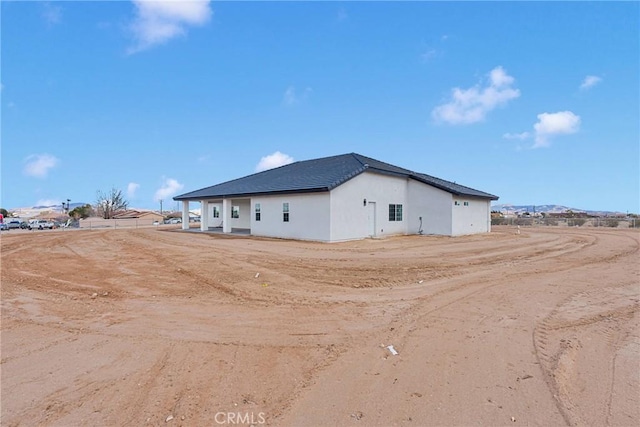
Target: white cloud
[(472, 105), (168, 189), (39, 165), (551, 124), (273, 161), (291, 97), (157, 22), (51, 14), (521, 136), (589, 82), (131, 189)]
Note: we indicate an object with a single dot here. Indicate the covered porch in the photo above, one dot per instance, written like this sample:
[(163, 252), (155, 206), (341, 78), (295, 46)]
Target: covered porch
[(222, 215)]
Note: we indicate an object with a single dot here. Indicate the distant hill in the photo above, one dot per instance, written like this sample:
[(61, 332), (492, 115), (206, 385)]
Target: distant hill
[(518, 209), (72, 206)]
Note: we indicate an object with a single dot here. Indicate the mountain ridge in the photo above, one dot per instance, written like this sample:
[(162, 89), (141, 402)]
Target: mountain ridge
[(549, 208)]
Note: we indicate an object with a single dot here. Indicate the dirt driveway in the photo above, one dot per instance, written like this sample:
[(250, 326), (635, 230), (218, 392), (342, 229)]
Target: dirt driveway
[(150, 327)]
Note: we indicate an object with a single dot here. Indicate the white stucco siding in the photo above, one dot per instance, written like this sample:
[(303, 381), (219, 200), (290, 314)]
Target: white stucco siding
[(308, 216), (244, 213), (214, 222), (433, 205), (470, 216), (351, 219)]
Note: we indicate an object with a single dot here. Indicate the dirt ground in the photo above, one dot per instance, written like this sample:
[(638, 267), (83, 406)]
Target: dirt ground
[(151, 327)]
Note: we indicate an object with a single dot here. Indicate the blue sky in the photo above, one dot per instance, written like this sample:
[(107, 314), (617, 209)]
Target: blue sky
[(536, 102)]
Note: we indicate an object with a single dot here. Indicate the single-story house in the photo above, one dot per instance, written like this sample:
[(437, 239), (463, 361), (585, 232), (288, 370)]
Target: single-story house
[(339, 198), (138, 214)]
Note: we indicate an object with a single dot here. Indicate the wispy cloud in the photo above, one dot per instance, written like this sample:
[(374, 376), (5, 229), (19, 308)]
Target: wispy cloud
[(428, 55), (168, 189), (131, 189), (203, 158), (292, 97), (434, 50), (342, 14), (39, 165), (589, 82), (157, 22), (521, 136), (51, 14), (273, 161), (552, 124), (471, 105)]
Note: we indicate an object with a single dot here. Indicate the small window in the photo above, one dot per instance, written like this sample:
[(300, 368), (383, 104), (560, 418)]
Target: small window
[(216, 212), (285, 212), (466, 203), (457, 203), (257, 211), (235, 212), (395, 212)]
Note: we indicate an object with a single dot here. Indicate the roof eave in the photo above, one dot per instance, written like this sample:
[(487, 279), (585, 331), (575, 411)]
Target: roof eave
[(186, 197)]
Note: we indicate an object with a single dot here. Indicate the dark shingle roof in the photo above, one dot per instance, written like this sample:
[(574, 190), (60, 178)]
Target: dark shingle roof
[(319, 175)]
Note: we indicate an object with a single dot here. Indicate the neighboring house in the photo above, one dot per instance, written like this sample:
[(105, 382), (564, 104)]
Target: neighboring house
[(140, 215), (338, 198), (124, 219)]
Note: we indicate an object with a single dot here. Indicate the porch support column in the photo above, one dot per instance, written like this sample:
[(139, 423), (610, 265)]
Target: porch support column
[(204, 215), (226, 216), (185, 214)]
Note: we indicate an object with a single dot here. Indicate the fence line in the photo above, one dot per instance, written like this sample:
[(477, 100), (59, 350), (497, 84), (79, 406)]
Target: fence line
[(118, 224), (569, 222)]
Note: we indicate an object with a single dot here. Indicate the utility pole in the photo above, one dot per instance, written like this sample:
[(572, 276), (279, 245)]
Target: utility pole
[(160, 206)]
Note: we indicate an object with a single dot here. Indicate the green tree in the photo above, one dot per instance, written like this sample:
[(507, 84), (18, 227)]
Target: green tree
[(108, 204), (82, 212), (4, 212)]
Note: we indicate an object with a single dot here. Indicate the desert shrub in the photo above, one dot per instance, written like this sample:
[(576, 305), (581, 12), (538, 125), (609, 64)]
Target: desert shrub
[(499, 221), (550, 221), (613, 223), (576, 222)]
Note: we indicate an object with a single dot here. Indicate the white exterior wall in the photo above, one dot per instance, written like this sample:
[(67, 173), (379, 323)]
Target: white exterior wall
[(341, 214), (471, 219), (350, 218), (244, 214), (308, 216), (214, 222), (433, 205)]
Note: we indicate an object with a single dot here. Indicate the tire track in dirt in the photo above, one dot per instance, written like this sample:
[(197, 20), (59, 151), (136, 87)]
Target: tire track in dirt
[(338, 329), (421, 306), (607, 313)]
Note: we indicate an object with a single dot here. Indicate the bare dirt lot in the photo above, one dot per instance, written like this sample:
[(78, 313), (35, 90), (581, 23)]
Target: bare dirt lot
[(152, 327)]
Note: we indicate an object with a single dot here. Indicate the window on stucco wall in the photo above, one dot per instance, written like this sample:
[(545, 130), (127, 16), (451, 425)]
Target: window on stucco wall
[(395, 212)]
